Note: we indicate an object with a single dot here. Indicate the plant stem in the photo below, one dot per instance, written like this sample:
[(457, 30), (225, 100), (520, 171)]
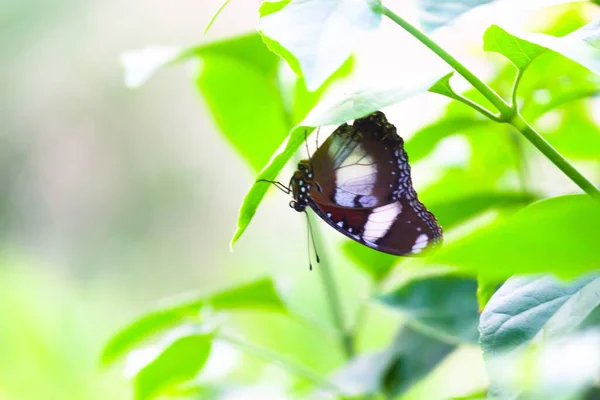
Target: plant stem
[(505, 110), (553, 155), (515, 89), (480, 109), (508, 113), (291, 366), (333, 297)]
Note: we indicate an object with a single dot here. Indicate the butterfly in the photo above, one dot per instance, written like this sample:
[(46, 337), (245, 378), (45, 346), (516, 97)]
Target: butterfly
[(358, 181)]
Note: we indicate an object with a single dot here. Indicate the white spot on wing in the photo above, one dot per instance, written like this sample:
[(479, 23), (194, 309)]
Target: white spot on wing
[(340, 224), (344, 198), (420, 243), (380, 220), (368, 201)]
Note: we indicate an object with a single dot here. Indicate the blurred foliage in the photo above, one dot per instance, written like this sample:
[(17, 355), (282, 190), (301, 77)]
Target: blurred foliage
[(470, 295)]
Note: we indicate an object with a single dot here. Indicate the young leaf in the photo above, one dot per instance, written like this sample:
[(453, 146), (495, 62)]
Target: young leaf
[(520, 52), (443, 86), (557, 235), (437, 13), (180, 360), (444, 307), (394, 370), (524, 306), (329, 112), (260, 294), (317, 36), (578, 46)]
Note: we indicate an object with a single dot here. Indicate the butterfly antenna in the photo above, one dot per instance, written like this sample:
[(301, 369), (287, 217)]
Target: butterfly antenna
[(318, 130), (278, 185), (311, 238), (307, 149)]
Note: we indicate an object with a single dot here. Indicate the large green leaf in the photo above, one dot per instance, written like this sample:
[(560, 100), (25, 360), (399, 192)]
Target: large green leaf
[(333, 111), (444, 307), (260, 294), (454, 211), (238, 80), (520, 52), (179, 360), (579, 46), (437, 13), (395, 369), (524, 306), (556, 369), (317, 36), (557, 235)]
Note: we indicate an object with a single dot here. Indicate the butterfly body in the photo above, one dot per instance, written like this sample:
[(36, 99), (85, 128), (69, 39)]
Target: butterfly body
[(359, 182)]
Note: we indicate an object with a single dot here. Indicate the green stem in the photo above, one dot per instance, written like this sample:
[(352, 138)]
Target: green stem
[(505, 110), (508, 113), (553, 155), (333, 297), (288, 365), (515, 89), (482, 110)]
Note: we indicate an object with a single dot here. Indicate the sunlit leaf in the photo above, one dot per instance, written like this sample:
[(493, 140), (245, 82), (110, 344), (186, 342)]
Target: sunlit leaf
[(444, 307), (243, 97), (524, 306), (454, 211), (574, 46), (555, 369), (333, 111), (316, 36), (520, 52), (260, 294), (437, 13), (557, 235), (395, 369), (179, 360)]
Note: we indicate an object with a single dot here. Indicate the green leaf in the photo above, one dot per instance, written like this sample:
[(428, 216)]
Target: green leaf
[(317, 35), (444, 87), (520, 52), (574, 46), (238, 80), (555, 369), (455, 211), (146, 327), (179, 360), (243, 97), (526, 306), (437, 13), (374, 263), (444, 307), (333, 111), (395, 369), (485, 290), (557, 235), (260, 294)]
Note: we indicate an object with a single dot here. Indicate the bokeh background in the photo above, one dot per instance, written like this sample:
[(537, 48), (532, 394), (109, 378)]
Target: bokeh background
[(111, 199)]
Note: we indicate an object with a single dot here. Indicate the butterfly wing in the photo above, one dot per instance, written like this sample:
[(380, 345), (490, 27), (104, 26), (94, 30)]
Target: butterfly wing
[(397, 228), (360, 165), (364, 190)]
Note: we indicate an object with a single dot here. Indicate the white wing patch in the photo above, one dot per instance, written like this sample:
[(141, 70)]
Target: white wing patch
[(355, 177), (380, 220), (420, 243)]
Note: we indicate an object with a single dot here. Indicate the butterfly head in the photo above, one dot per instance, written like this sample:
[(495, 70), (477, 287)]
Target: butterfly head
[(301, 183)]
